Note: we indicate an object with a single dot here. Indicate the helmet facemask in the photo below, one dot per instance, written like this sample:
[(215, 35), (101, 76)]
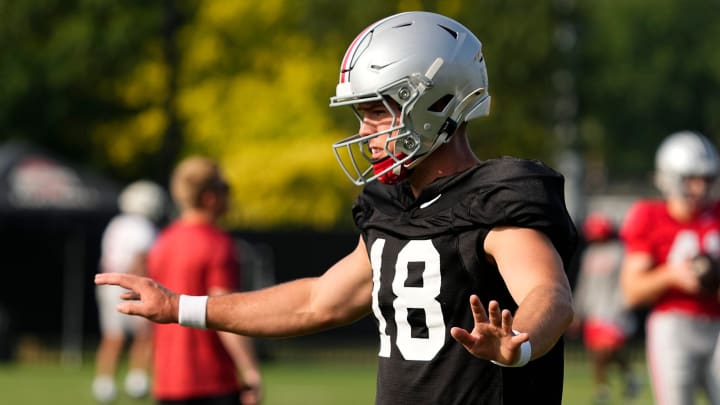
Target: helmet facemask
[(403, 146)]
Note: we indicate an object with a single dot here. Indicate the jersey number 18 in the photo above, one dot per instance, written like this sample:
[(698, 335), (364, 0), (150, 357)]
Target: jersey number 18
[(411, 297)]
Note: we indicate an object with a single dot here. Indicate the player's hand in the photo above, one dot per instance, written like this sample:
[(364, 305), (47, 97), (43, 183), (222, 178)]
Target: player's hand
[(707, 270), (684, 277), (251, 394), (145, 297), (492, 337)]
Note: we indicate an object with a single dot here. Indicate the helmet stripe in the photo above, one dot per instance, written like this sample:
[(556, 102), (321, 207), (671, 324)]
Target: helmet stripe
[(344, 69), (350, 53)]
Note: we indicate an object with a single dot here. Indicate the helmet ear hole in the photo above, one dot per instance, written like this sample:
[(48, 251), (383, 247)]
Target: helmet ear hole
[(441, 104)]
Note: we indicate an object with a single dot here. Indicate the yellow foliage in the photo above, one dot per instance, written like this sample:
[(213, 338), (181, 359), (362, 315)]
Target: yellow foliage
[(283, 181), (206, 53), (126, 140), (224, 13), (262, 113), (409, 5), (147, 84), (267, 121)]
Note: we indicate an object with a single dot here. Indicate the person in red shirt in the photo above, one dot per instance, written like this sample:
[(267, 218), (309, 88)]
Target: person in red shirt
[(196, 257), (665, 240)]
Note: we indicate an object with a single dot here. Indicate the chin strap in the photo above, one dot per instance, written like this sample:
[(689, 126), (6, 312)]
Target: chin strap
[(398, 173), (393, 176)]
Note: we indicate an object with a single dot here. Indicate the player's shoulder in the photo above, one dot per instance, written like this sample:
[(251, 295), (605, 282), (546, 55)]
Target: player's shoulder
[(508, 168), (490, 183), (129, 223), (517, 180), (648, 207), (642, 215), (195, 229)]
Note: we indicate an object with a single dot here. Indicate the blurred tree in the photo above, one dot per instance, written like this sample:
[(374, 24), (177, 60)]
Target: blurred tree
[(129, 86), (646, 70), (62, 61)]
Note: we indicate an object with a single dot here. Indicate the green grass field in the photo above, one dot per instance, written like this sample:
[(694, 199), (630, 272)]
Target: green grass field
[(316, 376)]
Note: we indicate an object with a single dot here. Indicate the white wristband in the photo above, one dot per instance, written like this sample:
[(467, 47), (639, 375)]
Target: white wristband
[(192, 311), (525, 355)]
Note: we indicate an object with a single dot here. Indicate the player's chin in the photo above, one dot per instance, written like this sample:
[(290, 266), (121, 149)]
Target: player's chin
[(696, 203)]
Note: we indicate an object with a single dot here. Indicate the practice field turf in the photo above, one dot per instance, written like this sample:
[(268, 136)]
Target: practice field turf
[(307, 376)]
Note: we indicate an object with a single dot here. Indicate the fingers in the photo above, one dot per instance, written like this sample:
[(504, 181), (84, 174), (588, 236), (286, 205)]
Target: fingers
[(130, 308), (478, 310), (130, 296), (520, 338), (123, 280), (507, 321), (494, 316), (463, 336)]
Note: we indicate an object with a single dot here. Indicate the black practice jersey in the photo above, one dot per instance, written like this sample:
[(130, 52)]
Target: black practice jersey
[(427, 259)]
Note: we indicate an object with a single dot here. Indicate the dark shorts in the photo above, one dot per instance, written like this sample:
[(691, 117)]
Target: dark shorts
[(225, 399)]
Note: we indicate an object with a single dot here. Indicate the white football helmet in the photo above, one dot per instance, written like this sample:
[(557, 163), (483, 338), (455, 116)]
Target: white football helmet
[(684, 154), (432, 67), (144, 198)]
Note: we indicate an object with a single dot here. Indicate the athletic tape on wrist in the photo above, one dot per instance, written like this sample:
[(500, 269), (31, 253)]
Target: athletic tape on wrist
[(192, 311), (525, 355)]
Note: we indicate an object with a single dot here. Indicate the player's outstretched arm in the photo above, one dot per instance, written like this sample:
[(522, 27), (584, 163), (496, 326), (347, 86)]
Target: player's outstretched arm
[(341, 295), (535, 276)]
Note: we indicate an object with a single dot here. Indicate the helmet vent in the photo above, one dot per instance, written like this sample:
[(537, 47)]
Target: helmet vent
[(403, 25), (450, 31)]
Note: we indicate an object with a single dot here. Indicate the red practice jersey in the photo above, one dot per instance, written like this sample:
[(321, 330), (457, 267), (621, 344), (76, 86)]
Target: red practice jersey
[(649, 228), (191, 259)]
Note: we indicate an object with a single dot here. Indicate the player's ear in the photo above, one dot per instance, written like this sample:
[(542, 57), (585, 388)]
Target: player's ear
[(208, 199)]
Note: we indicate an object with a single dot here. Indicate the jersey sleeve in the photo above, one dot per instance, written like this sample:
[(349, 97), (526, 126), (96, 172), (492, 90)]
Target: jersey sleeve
[(526, 194), (635, 228)]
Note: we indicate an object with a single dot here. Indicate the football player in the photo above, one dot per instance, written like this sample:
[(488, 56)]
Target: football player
[(600, 309), (663, 238), (125, 243), (461, 261)]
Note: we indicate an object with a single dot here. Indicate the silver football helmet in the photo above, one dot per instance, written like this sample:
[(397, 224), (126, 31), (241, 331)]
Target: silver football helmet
[(684, 154), (432, 67), (143, 197)]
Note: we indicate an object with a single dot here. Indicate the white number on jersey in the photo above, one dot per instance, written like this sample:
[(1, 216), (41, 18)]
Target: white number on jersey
[(412, 348), (687, 245)]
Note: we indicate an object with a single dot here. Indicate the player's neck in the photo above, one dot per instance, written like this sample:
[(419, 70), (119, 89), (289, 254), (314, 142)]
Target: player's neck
[(197, 216), (681, 210), (453, 157)]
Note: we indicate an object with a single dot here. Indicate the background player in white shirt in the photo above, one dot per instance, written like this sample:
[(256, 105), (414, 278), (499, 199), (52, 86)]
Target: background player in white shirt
[(125, 243)]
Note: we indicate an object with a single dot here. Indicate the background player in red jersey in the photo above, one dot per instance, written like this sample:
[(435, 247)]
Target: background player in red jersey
[(194, 256), (662, 239), (460, 260)]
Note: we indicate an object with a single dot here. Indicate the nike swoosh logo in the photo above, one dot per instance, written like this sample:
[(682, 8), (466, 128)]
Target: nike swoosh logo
[(428, 203)]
